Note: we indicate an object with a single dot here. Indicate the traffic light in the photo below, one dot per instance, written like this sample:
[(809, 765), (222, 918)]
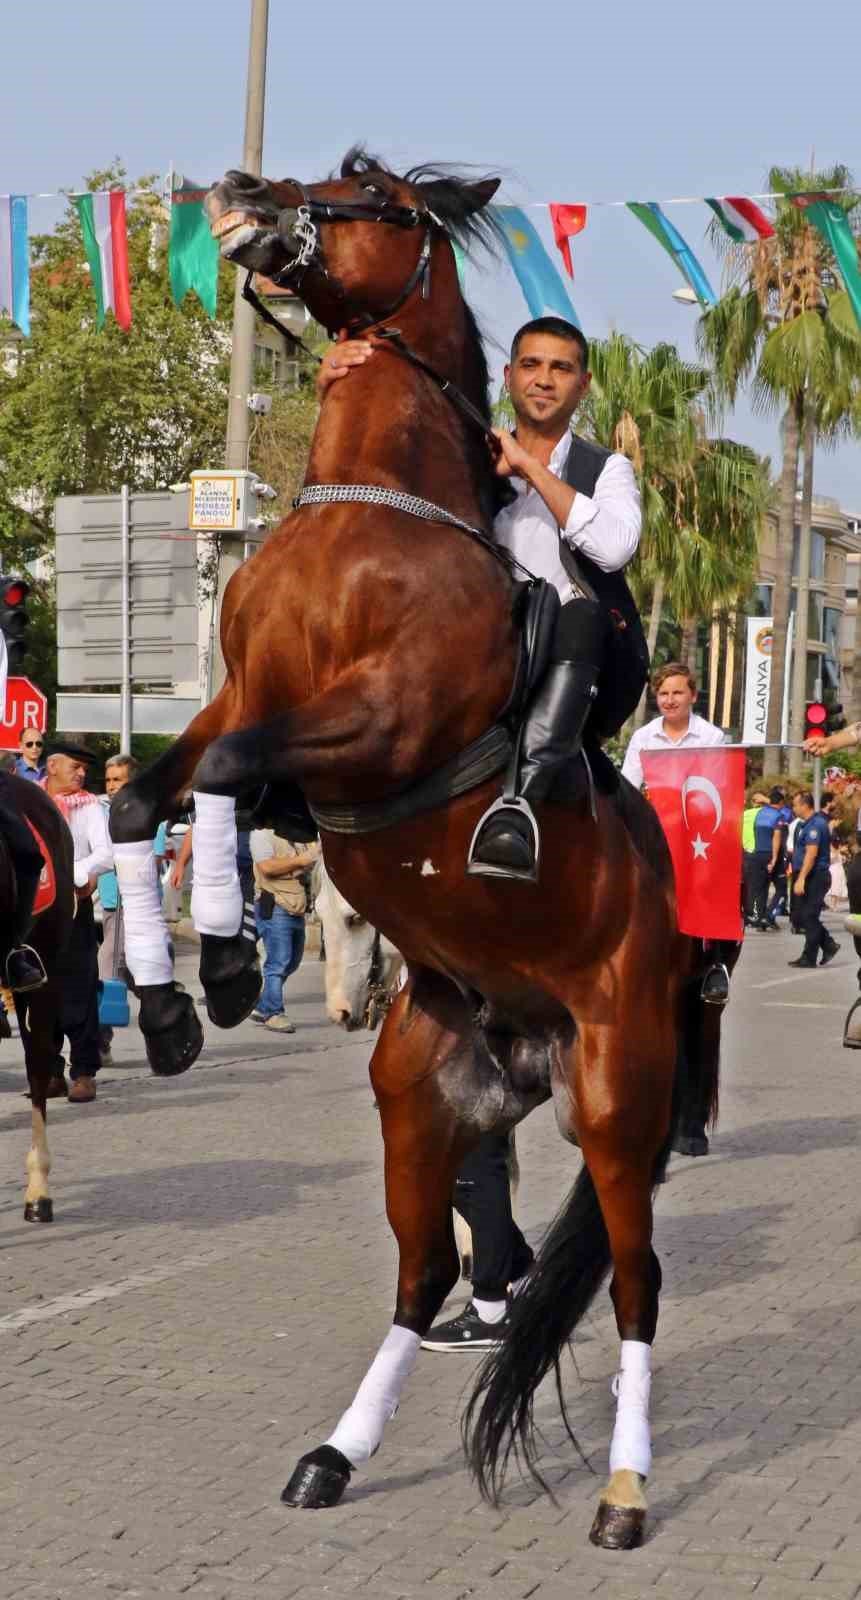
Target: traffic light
[(14, 621), (835, 719), (815, 720)]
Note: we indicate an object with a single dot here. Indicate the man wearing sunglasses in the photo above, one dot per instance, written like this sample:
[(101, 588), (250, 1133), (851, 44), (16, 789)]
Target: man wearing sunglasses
[(30, 763)]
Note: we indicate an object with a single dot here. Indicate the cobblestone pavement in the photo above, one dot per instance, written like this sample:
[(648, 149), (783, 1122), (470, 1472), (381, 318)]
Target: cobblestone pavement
[(221, 1270)]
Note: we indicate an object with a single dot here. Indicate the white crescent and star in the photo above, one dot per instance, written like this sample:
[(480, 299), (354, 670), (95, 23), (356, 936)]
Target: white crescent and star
[(696, 784)]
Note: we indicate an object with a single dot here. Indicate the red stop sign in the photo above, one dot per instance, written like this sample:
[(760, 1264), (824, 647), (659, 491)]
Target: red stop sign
[(26, 707)]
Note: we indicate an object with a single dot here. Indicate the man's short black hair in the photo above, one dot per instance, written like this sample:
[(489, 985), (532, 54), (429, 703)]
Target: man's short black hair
[(806, 798), (776, 796), (559, 329)]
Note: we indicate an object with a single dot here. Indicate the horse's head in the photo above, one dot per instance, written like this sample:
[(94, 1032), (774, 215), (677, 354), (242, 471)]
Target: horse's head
[(350, 245), (361, 966)]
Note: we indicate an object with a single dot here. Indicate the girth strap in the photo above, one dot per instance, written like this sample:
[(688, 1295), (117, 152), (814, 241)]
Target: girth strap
[(479, 761)]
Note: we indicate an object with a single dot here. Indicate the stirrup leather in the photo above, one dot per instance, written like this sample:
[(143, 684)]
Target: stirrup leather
[(480, 869)]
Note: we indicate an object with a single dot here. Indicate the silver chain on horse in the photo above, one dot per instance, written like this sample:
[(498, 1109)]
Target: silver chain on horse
[(370, 494), (304, 232)]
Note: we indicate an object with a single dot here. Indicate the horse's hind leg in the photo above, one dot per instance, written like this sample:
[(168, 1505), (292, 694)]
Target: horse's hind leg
[(425, 1140), (36, 1015)]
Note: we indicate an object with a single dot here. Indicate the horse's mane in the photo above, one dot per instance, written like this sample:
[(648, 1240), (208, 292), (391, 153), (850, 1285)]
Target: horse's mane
[(451, 198)]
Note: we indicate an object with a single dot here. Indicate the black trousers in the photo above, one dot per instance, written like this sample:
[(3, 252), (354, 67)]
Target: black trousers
[(758, 883), (809, 912), (482, 1195), (79, 1005)]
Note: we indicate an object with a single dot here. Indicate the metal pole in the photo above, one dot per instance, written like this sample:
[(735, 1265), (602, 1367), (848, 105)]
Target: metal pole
[(798, 699), (817, 760), (125, 622), (242, 352)]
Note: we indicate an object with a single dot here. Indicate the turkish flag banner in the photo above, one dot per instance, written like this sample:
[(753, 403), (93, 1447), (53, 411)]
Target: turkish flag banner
[(699, 798)]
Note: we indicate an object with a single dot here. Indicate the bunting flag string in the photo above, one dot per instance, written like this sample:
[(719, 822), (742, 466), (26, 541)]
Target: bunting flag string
[(741, 218), (662, 229), (15, 260)]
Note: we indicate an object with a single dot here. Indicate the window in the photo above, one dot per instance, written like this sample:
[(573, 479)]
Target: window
[(762, 600), (817, 554), (831, 631)]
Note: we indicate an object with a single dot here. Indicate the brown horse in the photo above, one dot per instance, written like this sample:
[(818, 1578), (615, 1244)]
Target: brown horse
[(38, 1011), (366, 646)]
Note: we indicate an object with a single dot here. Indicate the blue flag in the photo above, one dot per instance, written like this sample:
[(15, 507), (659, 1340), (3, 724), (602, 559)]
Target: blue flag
[(543, 289), (668, 236), (15, 260)]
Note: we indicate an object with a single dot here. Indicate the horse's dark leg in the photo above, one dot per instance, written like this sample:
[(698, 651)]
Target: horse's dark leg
[(168, 1019), (852, 1026), (425, 1137), (37, 1014)]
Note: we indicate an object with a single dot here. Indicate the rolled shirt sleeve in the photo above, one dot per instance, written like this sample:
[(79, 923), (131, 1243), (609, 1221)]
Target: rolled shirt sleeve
[(100, 856), (606, 525)]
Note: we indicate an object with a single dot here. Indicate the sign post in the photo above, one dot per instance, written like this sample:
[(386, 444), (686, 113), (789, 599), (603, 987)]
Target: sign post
[(26, 707)]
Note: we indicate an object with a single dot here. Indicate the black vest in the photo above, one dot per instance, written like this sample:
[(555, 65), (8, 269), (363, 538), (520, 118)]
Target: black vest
[(630, 668)]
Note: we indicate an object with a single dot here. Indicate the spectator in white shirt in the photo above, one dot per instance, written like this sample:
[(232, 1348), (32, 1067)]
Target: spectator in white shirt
[(79, 965), (677, 726), (572, 518)]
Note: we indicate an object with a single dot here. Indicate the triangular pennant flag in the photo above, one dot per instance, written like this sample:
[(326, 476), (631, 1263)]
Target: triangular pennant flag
[(543, 289), (15, 260), (193, 254), (832, 222), (103, 226), (740, 218), (567, 221), (652, 217)]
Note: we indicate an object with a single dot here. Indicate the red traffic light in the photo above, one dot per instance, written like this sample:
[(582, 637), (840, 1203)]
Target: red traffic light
[(817, 714), (15, 593)]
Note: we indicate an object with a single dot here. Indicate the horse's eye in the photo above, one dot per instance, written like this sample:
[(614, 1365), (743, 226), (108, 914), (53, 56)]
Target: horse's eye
[(373, 188)]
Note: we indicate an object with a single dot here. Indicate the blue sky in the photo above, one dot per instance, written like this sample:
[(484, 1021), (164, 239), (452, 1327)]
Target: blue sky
[(625, 102)]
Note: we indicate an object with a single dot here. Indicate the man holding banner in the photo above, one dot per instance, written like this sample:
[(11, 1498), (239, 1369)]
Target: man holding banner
[(697, 790)]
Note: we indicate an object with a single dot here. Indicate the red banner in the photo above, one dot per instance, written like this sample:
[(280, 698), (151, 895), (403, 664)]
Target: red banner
[(699, 798)]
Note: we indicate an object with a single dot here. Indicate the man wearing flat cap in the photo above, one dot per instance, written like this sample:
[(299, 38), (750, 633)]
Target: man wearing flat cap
[(64, 780)]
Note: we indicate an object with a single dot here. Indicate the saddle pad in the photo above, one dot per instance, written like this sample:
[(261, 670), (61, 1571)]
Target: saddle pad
[(46, 893)]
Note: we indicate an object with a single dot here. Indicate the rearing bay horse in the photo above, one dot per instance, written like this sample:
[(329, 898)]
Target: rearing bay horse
[(368, 645)]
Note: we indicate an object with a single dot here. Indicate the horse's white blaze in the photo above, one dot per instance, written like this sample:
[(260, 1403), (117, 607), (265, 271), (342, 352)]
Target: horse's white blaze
[(360, 1430), (631, 1445), (38, 1161), (349, 943)]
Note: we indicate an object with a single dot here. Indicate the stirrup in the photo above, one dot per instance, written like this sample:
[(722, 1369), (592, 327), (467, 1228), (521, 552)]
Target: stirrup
[(480, 869), (715, 1000), (37, 982)]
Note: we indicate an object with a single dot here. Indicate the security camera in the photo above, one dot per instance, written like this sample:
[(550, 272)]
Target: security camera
[(260, 404)]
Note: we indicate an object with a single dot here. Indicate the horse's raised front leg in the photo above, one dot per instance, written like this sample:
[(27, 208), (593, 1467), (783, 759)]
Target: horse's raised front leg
[(425, 1045), (168, 1019)]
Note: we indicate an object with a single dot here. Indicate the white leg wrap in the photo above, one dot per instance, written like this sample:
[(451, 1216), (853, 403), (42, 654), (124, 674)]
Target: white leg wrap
[(216, 898), (146, 937), (631, 1445), (360, 1429)]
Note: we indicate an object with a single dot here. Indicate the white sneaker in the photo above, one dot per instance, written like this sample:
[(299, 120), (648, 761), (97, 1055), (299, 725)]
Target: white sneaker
[(279, 1023)]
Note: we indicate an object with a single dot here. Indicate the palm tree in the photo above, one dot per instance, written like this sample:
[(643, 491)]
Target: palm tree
[(703, 499), (786, 325)]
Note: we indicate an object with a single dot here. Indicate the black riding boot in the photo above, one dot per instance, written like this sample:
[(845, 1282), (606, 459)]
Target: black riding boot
[(506, 842)]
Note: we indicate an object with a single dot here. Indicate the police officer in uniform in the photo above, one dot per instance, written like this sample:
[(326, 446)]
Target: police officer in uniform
[(811, 880)]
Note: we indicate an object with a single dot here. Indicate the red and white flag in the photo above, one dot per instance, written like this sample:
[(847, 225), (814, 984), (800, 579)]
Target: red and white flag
[(699, 798)]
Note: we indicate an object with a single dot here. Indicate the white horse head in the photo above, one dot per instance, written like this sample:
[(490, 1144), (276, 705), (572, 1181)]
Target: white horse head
[(356, 965)]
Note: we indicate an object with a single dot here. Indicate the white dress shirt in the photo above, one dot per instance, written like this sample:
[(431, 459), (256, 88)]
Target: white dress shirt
[(605, 525), (94, 853), (699, 735)]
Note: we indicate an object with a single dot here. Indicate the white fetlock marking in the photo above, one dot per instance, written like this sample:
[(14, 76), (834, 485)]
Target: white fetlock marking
[(631, 1445), (147, 941), (360, 1429), (216, 898), (38, 1161)]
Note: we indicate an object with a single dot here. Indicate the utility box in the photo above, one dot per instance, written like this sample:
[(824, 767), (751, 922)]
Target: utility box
[(226, 501)]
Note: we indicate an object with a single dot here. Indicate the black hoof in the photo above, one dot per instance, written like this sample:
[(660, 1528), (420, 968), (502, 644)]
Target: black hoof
[(171, 1028), (617, 1527), (319, 1479), (691, 1144), (852, 1028), (39, 1210), (231, 978)]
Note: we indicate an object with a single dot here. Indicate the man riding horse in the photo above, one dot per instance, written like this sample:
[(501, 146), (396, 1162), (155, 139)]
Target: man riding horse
[(571, 516), (24, 968)]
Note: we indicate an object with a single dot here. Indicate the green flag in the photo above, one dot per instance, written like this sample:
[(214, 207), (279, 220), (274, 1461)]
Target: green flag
[(832, 222), (193, 254)]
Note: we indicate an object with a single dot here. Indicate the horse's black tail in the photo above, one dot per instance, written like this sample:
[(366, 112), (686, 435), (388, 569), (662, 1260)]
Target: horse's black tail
[(569, 1269)]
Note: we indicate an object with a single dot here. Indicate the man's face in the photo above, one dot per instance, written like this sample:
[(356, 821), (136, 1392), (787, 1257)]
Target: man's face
[(32, 745), (675, 698), (115, 778), (66, 774), (546, 381), (799, 807)]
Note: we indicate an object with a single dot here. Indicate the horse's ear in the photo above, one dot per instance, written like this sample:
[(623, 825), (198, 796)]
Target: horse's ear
[(481, 193)]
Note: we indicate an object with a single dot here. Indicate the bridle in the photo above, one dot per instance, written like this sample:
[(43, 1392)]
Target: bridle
[(298, 226)]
